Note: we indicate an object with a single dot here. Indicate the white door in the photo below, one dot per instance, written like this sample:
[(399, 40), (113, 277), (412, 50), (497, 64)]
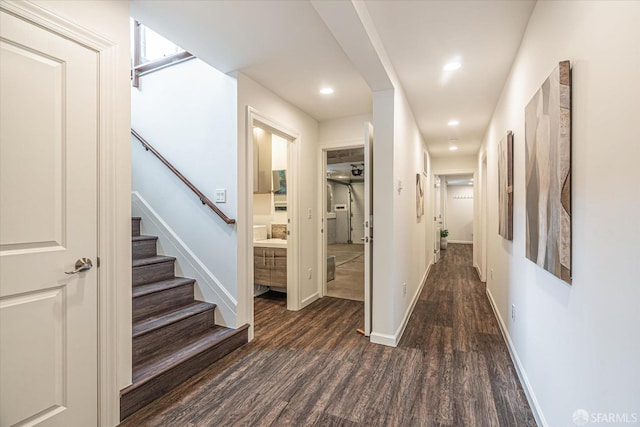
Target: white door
[(437, 218), (48, 220), (368, 225)]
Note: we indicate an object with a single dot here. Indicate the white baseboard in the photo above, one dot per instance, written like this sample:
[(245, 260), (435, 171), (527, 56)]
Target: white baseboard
[(477, 267), (394, 340), (461, 242), (309, 300), (384, 339), (208, 287), (531, 397)]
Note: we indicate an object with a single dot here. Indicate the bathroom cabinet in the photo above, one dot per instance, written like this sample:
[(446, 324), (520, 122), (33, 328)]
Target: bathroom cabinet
[(262, 153), (270, 267)]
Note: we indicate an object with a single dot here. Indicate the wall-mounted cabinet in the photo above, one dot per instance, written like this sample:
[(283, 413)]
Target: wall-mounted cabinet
[(262, 161), (270, 266)]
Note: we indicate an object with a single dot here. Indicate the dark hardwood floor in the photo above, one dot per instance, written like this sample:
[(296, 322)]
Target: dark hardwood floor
[(311, 368)]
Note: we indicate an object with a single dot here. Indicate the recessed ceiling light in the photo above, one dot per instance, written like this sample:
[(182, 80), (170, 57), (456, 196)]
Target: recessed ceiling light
[(453, 148), (326, 90), (453, 122), (452, 66)]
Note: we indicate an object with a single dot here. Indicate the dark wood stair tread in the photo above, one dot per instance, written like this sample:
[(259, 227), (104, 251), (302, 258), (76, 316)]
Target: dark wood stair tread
[(187, 350), (174, 336), (143, 237), (148, 325), (163, 285), (151, 260)]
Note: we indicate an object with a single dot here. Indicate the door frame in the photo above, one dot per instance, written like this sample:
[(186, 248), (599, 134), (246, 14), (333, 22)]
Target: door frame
[(111, 260), (448, 172), (481, 191), (322, 202), (245, 243)]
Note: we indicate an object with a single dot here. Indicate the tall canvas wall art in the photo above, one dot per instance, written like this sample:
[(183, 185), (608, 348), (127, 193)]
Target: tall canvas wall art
[(505, 186), (548, 174), (419, 196)]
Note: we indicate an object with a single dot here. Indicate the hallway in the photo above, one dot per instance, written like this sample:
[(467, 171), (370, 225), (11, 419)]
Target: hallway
[(452, 367)]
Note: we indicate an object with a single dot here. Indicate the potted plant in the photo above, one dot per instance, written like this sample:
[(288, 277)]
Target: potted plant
[(443, 238)]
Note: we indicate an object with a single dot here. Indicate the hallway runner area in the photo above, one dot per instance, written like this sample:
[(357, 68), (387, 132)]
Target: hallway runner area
[(311, 368)]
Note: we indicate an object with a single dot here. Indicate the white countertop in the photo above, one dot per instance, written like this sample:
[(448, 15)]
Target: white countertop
[(270, 243)]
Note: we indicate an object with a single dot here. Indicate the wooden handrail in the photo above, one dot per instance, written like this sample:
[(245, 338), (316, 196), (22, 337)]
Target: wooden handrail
[(202, 197)]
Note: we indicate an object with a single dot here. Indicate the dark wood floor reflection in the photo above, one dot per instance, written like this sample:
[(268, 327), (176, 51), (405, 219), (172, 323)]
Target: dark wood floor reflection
[(310, 368)]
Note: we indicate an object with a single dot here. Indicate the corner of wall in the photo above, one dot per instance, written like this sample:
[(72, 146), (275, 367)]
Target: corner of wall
[(394, 340)]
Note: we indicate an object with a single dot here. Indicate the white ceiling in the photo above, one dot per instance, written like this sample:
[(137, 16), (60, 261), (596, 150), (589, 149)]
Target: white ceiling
[(283, 45), (420, 37), (286, 47)]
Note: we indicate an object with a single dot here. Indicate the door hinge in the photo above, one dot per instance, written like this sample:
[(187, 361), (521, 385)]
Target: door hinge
[(98, 262)]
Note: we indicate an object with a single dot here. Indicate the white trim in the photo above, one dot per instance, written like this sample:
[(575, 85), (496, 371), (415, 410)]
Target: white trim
[(45, 19), (208, 285), (310, 299), (461, 242), (111, 261), (528, 390), (384, 339), (245, 233), (394, 340), (322, 202), (108, 391), (478, 272)]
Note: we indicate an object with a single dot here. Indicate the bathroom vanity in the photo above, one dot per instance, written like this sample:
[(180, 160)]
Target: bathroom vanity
[(270, 263)]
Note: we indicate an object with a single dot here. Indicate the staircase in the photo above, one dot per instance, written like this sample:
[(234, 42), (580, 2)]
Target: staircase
[(174, 336)]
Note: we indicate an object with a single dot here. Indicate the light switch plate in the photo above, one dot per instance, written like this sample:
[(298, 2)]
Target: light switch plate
[(221, 195)]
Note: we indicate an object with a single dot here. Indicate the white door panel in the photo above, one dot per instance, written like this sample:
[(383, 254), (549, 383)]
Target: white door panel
[(48, 220)]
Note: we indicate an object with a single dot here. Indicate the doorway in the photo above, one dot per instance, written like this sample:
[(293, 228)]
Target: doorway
[(454, 209), (272, 258), (356, 166), (344, 216), (482, 242)]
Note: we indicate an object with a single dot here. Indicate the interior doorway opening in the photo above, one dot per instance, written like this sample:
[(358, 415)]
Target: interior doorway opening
[(272, 238), (345, 216), (454, 209)]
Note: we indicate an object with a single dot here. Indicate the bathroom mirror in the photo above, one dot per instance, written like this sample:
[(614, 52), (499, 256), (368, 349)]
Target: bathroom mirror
[(270, 153), (280, 189)]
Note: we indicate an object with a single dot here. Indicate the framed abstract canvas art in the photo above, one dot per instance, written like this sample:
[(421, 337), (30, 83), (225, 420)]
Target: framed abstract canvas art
[(505, 186), (548, 174)]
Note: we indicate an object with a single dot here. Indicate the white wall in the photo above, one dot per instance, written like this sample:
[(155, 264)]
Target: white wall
[(453, 163), (412, 254), (459, 213), (402, 242), (341, 196), (346, 129), (252, 94), (577, 344), (188, 113)]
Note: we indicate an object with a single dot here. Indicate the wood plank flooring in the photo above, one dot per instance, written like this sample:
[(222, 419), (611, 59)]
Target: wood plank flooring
[(310, 368)]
